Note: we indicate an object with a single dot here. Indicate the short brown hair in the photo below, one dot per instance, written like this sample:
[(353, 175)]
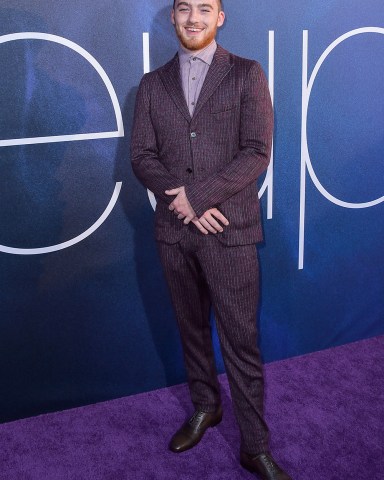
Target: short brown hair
[(218, 1)]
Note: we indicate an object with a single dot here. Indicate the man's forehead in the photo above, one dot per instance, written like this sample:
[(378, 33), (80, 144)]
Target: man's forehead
[(199, 3)]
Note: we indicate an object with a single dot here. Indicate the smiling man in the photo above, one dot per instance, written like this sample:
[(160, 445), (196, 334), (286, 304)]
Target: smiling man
[(195, 36), (201, 137)]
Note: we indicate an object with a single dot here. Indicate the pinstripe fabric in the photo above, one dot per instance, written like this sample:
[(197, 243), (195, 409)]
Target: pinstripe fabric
[(219, 164), (217, 154), (199, 269)]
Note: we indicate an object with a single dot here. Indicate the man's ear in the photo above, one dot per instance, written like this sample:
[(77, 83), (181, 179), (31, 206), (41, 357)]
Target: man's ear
[(173, 16), (220, 20)]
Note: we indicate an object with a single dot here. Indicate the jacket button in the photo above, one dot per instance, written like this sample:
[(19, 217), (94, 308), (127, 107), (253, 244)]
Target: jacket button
[(189, 170), (193, 134)]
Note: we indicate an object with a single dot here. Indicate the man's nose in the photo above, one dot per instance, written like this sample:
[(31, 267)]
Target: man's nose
[(193, 15)]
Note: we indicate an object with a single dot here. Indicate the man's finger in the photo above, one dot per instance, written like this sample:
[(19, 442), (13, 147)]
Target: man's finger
[(207, 225), (212, 222), (180, 216), (174, 191), (197, 223), (189, 218), (220, 217)]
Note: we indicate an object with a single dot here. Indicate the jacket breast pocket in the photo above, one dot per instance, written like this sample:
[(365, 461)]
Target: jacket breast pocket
[(225, 116), (227, 108)]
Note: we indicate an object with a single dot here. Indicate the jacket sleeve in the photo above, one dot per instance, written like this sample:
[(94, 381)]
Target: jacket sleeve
[(253, 155), (144, 152)]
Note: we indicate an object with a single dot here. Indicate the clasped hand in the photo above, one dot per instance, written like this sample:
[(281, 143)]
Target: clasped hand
[(208, 222)]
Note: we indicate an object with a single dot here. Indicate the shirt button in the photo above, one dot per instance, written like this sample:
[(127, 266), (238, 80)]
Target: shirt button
[(189, 170), (193, 78), (192, 103), (193, 134), (194, 59)]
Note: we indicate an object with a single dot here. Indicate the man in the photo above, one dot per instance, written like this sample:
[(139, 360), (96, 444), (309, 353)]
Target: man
[(201, 137)]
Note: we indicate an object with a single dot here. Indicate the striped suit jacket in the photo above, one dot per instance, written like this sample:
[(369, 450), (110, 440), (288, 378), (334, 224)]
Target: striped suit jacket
[(217, 154)]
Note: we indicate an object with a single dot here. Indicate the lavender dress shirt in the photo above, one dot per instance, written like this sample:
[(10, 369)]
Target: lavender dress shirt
[(193, 70)]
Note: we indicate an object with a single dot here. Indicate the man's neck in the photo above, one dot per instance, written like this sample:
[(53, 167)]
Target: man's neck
[(195, 52)]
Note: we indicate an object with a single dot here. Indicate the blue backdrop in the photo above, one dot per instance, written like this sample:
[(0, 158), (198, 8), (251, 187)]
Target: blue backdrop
[(85, 314)]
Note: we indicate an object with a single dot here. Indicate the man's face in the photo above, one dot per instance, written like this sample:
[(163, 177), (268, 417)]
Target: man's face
[(196, 22)]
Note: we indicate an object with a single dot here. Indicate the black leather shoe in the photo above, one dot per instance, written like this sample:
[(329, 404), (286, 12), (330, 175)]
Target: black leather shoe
[(264, 466), (192, 430)]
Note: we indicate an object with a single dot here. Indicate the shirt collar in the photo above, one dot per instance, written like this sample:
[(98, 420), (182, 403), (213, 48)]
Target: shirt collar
[(205, 55)]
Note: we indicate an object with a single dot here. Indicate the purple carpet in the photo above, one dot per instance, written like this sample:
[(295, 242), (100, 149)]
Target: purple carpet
[(325, 411)]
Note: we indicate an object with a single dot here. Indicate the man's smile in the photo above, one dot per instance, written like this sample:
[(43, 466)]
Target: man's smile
[(194, 29)]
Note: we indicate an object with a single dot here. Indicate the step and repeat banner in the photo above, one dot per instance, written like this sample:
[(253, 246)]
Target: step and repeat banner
[(85, 315)]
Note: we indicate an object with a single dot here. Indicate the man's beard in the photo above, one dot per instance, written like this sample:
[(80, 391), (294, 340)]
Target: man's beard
[(193, 44)]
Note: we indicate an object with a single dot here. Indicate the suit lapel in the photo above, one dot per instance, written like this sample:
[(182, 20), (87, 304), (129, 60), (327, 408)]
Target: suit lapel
[(219, 68), (170, 76)]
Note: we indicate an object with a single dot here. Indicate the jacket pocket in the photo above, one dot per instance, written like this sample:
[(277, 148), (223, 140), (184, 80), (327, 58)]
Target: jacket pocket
[(222, 108)]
